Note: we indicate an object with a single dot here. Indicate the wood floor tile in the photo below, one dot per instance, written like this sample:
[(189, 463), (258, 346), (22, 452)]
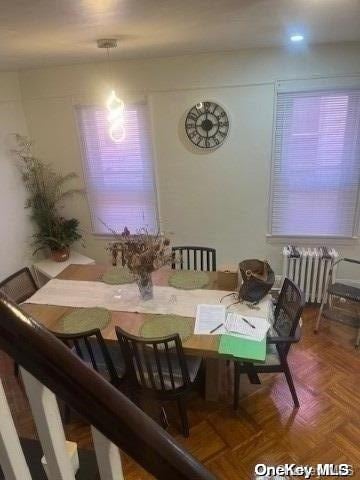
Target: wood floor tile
[(204, 442)]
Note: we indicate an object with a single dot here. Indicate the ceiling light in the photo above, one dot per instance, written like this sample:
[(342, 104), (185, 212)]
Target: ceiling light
[(114, 104), (297, 38)]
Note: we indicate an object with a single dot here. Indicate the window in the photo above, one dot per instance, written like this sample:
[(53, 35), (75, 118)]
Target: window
[(119, 176), (316, 164)]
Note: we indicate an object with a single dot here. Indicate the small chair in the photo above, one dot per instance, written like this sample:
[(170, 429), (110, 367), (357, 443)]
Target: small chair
[(285, 331), (19, 287), (91, 347), (340, 290), (194, 258), (157, 367)]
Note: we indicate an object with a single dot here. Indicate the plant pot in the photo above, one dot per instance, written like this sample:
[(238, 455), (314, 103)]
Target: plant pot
[(60, 255)]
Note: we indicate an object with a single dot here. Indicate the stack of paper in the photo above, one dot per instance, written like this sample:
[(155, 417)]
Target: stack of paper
[(254, 328), (210, 320), (241, 336)]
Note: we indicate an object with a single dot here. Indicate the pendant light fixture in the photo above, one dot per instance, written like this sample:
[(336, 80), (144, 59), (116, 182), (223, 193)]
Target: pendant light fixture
[(114, 104)]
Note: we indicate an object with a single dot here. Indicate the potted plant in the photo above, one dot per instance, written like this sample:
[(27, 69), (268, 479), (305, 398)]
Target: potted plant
[(47, 190)]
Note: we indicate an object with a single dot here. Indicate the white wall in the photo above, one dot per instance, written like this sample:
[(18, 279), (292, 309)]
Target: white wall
[(218, 199), (15, 228)]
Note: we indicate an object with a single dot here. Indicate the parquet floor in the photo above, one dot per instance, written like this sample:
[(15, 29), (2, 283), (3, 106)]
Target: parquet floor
[(267, 429)]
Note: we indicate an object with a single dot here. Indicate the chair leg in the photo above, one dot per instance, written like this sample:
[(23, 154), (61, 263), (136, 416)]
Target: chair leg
[(357, 343), (319, 315), (291, 385), (251, 373), (183, 416), (236, 385)]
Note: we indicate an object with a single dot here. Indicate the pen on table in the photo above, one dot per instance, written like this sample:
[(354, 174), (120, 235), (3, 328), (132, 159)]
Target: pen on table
[(216, 328), (247, 321)]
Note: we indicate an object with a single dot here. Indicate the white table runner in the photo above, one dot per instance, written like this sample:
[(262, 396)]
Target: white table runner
[(126, 298)]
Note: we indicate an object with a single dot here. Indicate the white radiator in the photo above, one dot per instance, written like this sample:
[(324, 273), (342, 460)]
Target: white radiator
[(309, 269)]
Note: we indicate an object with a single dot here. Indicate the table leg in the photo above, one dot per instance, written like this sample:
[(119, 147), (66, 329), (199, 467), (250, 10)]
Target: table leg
[(214, 371)]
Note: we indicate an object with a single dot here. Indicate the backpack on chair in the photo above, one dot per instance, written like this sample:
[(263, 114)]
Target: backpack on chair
[(257, 280)]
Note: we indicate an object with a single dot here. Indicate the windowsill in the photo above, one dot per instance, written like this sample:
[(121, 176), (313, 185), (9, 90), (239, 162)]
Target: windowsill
[(110, 237), (306, 240)]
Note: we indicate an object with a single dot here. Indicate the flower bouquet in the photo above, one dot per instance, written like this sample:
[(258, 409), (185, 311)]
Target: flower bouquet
[(142, 253)]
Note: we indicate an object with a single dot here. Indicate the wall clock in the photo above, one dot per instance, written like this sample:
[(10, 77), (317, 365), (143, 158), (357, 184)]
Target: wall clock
[(207, 125)]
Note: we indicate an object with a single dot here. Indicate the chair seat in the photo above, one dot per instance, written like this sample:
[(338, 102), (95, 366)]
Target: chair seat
[(272, 356), (193, 365), (116, 356), (345, 291)]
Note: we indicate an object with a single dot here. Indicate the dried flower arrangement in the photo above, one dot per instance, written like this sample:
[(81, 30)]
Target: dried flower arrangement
[(142, 253)]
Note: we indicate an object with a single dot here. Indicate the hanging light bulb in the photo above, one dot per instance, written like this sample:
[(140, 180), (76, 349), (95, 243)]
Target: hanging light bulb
[(115, 117), (115, 106)]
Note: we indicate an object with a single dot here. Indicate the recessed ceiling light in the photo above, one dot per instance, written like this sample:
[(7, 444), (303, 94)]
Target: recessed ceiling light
[(297, 38)]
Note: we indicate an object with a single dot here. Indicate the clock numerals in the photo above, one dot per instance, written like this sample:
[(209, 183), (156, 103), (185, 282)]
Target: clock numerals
[(192, 116), (207, 125)]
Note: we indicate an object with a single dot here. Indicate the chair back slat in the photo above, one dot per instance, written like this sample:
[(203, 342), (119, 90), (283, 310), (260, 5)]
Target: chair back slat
[(170, 369), (19, 286), (137, 363), (91, 354), (158, 365), (78, 348), (151, 370), (205, 256), (155, 364), (188, 263)]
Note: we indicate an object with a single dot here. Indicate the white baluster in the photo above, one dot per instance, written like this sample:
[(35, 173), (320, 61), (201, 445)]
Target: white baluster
[(108, 457), (47, 418), (12, 459)]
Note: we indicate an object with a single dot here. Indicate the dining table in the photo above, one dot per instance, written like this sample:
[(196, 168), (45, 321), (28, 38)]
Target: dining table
[(205, 346)]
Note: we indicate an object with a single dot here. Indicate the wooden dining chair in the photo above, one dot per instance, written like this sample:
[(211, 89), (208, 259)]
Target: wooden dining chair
[(158, 368), (284, 332), (19, 287), (91, 347), (194, 258)]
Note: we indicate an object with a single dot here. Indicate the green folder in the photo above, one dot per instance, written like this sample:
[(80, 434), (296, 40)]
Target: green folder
[(243, 347)]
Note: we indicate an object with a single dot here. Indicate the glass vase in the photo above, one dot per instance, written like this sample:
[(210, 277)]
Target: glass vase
[(145, 285)]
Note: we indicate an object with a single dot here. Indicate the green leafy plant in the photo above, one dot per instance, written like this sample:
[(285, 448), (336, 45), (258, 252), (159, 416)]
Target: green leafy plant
[(47, 190)]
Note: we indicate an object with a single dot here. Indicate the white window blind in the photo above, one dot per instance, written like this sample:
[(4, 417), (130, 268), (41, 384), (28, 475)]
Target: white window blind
[(316, 164), (119, 176)]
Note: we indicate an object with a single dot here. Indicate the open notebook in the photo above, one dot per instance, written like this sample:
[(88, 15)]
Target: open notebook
[(216, 320)]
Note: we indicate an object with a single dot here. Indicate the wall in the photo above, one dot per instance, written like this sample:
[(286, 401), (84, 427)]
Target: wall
[(219, 199), (15, 228)]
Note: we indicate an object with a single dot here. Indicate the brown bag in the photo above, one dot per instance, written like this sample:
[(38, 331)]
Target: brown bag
[(257, 279)]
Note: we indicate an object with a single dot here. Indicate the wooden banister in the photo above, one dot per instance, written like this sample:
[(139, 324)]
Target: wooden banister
[(108, 410)]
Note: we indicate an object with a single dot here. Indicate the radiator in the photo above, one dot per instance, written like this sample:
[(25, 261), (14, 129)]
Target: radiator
[(309, 269)]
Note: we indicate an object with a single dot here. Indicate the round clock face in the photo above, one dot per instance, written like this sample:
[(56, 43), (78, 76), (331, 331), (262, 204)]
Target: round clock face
[(207, 125)]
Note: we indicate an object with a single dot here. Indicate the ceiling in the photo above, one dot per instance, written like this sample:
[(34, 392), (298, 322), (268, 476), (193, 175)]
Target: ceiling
[(36, 33)]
